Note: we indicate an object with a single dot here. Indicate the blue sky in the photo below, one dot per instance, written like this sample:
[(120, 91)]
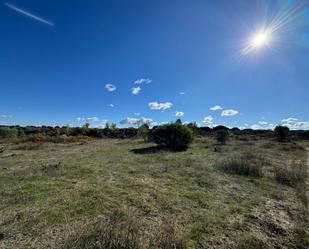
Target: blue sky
[(60, 61)]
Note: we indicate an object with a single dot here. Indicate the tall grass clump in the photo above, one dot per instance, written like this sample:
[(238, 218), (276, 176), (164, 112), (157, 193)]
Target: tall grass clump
[(246, 164), (291, 172), (294, 173)]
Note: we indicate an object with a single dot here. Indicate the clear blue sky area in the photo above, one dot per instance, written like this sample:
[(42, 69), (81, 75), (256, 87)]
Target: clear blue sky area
[(237, 63)]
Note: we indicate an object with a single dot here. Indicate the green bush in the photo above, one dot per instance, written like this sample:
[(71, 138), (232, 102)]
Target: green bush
[(175, 136), (143, 131), (282, 133), (6, 132), (222, 136)]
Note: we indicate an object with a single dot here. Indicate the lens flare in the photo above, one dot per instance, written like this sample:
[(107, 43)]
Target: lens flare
[(277, 27)]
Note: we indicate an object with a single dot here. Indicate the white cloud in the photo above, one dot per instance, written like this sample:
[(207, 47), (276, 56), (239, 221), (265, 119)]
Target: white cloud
[(87, 120), (135, 121), (179, 114), (110, 87), (111, 105), (289, 120), (295, 124), (137, 113), (143, 81), (182, 93), (216, 108), (6, 116), (160, 106), (136, 90), (255, 127), (208, 121), (229, 112), (262, 123)]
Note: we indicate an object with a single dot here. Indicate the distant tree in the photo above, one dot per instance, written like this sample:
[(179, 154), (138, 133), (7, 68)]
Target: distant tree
[(222, 136), (193, 126), (282, 133), (175, 136), (85, 129), (220, 127), (143, 131), (178, 121), (66, 130)]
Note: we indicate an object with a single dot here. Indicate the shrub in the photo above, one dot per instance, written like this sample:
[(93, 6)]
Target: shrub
[(143, 131), (174, 136), (282, 133), (6, 132), (247, 164), (222, 136)]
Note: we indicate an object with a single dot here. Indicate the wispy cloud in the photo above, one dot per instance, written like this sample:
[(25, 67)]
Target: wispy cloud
[(111, 105), (208, 121), (295, 124), (143, 81), (135, 121), (92, 119), (6, 116), (28, 14), (182, 93), (136, 90), (110, 87), (216, 108), (229, 112), (179, 114), (160, 106)]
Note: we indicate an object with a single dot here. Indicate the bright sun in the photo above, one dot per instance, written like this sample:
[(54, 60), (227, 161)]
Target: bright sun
[(260, 40)]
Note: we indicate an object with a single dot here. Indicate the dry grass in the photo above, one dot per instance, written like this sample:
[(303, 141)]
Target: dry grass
[(292, 172), (246, 163), (67, 196), (125, 228)]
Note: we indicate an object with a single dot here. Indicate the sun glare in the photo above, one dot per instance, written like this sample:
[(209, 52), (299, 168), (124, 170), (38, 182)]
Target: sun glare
[(260, 40)]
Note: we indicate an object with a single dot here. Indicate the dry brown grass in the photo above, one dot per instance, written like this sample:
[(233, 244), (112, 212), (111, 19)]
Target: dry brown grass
[(125, 228), (246, 163)]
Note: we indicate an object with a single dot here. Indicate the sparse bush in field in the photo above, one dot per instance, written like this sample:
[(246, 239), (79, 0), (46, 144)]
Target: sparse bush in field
[(247, 164), (175, 136), (143, 131), (222, 136), (282, 133), (6, 132)]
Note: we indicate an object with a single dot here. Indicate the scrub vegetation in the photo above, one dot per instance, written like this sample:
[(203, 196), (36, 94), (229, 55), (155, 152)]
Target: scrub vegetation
[(60, 190)]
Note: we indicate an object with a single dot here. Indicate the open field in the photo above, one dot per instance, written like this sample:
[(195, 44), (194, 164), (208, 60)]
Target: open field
[(75, 195)]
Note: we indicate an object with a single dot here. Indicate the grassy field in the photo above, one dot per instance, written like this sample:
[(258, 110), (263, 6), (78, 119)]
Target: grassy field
[(79, 195)]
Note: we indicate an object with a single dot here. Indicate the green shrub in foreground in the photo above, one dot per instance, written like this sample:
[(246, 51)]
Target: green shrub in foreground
[(175, 136)]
